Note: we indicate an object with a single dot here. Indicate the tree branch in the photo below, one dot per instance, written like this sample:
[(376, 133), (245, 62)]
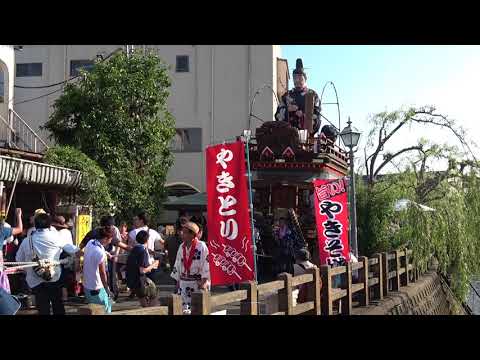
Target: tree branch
[(414, 167), (438, 197), (448, 124), (418, 147), (411, 115), (366, 160), (380, 146)]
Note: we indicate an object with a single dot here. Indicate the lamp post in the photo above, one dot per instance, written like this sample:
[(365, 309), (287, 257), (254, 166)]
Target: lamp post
[(350, 137)]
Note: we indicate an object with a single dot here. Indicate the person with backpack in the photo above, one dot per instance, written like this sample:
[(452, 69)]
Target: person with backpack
[(44, 280), (138, 267), (141, 223)]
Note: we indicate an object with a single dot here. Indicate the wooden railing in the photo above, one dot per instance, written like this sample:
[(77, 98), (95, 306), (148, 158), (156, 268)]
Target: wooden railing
[(169, 305), (316, 146), (329, 147), (376, 277), (330, 290), (203, 303)]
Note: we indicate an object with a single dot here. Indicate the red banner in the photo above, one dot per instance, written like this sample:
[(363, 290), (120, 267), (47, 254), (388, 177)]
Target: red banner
[(229, 231), (331, 214)]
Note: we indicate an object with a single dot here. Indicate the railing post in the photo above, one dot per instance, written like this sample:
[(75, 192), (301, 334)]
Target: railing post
[(407, 280), (10, 122), (378, 289), (201, 303), (385, 273), (285, 298), (364, 301), (313, 291), (35, 144), (327, 305), (397, 283), (347, 304), (249, 306), (91, 309), (174, 304)]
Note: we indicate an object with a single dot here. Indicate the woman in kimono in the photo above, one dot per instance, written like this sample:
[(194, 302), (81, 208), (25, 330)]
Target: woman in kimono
[(191, 269)]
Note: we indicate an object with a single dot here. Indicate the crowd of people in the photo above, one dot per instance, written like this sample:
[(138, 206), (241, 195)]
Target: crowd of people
[(111, 255), (108, 255)]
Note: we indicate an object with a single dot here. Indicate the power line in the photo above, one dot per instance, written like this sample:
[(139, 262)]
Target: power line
[(38, 97), (64, 81), (51, 85), (46, 86)]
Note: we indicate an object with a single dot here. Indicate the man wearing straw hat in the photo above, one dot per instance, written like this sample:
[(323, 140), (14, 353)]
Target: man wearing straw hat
[(191, 269)]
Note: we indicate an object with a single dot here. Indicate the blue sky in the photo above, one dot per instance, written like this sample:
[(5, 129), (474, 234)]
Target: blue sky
[(371, 79)]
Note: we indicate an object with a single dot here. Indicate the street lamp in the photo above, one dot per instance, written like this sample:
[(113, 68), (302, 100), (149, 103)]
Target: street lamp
[(350, 137)]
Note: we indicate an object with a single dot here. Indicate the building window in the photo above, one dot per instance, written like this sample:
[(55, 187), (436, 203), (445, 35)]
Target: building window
[(76, 65), (182, 63), (29, 69), (187, 140)]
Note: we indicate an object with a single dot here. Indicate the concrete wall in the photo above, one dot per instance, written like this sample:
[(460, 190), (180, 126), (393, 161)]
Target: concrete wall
[(216, 101), (7, 66)]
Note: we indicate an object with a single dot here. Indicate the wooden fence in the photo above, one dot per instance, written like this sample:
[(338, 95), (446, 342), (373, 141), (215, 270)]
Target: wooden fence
[(169, 305), (329, 290), (203, 303)]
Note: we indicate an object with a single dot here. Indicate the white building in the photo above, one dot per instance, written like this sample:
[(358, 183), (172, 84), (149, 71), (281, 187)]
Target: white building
[(7, 77), (212, 88)]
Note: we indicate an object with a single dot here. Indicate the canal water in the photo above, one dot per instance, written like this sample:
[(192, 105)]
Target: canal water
[(473, 298)]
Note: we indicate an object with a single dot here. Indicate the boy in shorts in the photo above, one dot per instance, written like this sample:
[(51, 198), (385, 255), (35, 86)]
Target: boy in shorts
[(137, 268)]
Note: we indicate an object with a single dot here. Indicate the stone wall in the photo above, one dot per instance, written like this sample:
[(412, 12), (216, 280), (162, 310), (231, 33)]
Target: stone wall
[(430, 295)]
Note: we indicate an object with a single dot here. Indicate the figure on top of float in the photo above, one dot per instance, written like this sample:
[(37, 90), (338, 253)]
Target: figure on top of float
[(292, 106)]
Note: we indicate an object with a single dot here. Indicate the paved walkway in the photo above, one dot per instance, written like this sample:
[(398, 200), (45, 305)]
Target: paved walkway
[(166, 286)]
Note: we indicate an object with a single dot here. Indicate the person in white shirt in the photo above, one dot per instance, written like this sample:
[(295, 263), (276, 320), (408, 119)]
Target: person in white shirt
[(32, 220), (68, 273), (140, 223), (45, 244), (191, 270), (61, 226), (112, 249), (95, 281)]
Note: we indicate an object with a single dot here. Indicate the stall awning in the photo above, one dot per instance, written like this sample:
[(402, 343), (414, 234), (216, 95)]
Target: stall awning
[(187, 202), (32, 172)]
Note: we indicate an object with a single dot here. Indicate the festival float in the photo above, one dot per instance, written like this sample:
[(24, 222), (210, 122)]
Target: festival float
[(292, 170)]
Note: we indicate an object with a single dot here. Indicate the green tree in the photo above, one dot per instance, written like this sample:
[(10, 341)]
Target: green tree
[(439, 176), (94, 189), (117, 115)]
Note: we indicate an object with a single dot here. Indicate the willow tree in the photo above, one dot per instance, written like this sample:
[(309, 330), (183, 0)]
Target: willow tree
[(117, 115), (439, 176)]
